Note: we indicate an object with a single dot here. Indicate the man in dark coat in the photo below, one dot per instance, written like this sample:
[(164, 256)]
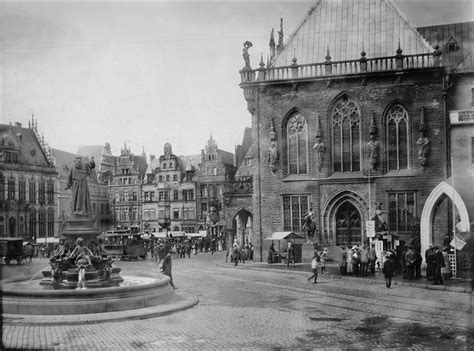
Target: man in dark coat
[(388, 269), (429, 262), (438, 263), (166, 268)]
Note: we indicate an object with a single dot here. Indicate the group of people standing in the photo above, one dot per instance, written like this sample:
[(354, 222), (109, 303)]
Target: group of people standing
[(358, 261), (238, 253)]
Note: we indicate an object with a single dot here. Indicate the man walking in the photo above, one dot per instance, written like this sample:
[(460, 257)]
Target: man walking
[(166, 268)]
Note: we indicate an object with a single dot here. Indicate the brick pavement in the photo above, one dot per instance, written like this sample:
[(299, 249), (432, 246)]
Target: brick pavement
[(256, 309)]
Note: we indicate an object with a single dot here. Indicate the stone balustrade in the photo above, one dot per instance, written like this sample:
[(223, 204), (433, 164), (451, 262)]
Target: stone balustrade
[(341, 68)]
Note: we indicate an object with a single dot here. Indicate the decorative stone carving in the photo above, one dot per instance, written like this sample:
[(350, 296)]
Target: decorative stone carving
[(319, 147), (77, 182), (273, 150), (373, 145), (245, 54), (423, 142)]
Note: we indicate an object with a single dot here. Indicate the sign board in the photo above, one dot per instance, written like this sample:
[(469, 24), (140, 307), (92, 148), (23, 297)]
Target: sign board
[(370, 225)]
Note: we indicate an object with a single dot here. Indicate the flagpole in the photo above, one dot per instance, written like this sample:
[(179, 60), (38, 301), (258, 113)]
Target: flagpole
[(454, 220)]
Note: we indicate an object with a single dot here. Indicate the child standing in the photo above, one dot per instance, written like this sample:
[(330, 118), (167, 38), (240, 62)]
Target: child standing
[(314, 267)]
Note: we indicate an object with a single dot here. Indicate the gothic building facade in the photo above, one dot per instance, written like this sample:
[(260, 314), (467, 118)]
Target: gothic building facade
[(28, 184), (125, 188), (349, 119)]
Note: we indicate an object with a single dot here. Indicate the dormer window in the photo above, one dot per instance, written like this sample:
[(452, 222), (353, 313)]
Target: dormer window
[(452, 44)]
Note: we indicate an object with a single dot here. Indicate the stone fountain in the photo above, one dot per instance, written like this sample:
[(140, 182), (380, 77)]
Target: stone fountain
[(82, 282)]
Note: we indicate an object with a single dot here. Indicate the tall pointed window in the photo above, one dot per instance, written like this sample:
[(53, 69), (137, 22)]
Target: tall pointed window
[(346, 135), (397, 138), (297, 144)]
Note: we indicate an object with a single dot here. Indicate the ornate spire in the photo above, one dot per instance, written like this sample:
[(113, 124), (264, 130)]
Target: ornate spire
[(262, 64), (280, 37), (272, 44)]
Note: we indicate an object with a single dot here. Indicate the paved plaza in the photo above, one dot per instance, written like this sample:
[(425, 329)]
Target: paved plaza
[(259, 307)]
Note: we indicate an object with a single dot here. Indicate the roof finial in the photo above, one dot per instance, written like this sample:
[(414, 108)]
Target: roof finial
[(280, 37), (262, 64), (399, 50), (328, 56), (272, 43), (294, 56), (363, 53)]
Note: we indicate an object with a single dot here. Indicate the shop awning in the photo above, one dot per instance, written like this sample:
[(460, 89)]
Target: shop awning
[(193, 235), (176, 234), (284, 236)]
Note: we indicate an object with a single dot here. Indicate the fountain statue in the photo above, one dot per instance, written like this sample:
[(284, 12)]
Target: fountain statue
[(82, 281), (96, 269)]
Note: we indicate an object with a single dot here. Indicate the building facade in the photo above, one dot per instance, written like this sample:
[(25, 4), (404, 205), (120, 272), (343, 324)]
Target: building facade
[(28, 185), (125, 188), (215, 168), (349, 119)]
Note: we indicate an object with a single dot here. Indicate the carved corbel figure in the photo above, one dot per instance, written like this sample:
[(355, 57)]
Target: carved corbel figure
[(319, 147), (373, 145), (423, 149), (273, 150), (423, 142)]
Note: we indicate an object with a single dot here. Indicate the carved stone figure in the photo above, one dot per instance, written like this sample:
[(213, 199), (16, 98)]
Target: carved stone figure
[(273, 156), (247, 46), (77, 182), (423, 149), (373, 147), (319, 150)]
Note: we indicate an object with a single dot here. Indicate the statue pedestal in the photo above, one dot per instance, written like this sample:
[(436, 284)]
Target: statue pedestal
[(81, 227)]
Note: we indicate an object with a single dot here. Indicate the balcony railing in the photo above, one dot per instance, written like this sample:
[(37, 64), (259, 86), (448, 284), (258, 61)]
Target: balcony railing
[(341, 68), (238, 187)]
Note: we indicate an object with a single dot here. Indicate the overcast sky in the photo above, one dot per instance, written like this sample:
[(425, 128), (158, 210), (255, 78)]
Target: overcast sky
[(147, 73)]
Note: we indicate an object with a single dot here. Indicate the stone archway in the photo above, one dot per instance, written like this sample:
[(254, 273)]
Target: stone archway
[(429, 211), (351, 207), (242, 221)]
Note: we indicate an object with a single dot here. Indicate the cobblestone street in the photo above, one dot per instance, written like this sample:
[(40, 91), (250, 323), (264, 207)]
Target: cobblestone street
[(254, 309)]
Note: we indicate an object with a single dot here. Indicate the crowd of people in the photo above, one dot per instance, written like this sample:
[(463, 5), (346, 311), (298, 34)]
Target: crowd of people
[(239, 253), (405, 261)]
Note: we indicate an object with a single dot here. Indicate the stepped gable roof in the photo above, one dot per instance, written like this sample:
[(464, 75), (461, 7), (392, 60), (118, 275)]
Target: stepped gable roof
[(242, 150), (190, 162), (23, 139), (459, 34), (343, 25), (65, 161), (247, 170)]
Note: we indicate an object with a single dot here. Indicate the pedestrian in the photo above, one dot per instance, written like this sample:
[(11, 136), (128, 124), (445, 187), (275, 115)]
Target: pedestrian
[(417, 264), (409, 263), (372, 259), (166, 268), (323, 258), (343, 265), (438, 263), (349, 261), (314, 267), (355, 259), (429, 262), (388, 269), (446, 270), (364, 261), (290, 255), (271, 253)]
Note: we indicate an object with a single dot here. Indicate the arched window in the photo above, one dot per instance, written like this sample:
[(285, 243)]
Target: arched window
[(397, 137), (346, 135), (297, 144)]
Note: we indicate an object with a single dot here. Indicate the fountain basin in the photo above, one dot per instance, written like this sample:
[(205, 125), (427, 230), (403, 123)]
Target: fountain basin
[(26, 297)]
